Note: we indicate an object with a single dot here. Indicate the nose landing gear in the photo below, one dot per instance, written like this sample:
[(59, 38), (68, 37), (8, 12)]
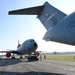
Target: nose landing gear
[(33, 58)]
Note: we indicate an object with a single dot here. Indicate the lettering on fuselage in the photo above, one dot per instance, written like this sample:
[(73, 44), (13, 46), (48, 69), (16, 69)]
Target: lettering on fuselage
[(51, 17)]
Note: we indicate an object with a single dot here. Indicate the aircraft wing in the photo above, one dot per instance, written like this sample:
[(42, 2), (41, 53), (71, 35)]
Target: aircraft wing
[(11, 51), (3, 51), (28, 11)]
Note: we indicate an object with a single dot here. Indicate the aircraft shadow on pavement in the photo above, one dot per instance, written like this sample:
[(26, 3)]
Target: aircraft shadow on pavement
[(31, 61), (29, 73), (7, 62)]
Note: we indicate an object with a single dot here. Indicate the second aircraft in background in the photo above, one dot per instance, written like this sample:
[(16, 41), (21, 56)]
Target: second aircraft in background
[(27, 47)]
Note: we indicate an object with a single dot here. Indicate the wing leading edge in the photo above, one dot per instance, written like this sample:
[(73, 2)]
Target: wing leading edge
[(12, 51)]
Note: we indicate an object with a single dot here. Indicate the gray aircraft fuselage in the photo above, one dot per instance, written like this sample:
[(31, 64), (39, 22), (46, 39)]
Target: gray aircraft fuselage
[(60, 27)]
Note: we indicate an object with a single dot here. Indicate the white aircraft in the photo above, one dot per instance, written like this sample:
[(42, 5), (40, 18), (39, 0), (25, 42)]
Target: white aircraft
[(60, 27), (27, 47)]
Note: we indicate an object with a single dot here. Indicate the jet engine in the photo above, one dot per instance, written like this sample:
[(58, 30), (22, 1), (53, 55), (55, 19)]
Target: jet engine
[(8, 54), (37, 53)]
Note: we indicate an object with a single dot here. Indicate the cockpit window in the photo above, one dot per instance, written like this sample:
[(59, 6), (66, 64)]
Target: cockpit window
[(31, 40)]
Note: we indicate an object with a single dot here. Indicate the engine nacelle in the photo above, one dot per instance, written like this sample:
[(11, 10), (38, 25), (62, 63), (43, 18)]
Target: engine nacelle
[(37, 53), (8, 54)]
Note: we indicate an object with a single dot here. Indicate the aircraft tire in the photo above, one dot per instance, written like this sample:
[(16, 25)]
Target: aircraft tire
[(13, 57)]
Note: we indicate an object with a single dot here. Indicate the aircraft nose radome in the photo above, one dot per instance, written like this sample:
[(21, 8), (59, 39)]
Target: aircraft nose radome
[(35, 44)]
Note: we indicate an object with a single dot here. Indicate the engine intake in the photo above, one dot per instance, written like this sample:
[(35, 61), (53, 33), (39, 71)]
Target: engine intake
[(8, 54)]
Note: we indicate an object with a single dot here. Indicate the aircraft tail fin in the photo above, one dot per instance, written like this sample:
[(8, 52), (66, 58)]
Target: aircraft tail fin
[(47, 14), (18, 44), (50, 16)]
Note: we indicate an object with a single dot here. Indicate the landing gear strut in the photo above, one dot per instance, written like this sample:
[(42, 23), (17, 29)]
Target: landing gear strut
[(13, 56), (21, 57)]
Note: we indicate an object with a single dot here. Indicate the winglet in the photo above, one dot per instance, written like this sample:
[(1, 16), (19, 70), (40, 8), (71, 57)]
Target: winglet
[(28, 11)]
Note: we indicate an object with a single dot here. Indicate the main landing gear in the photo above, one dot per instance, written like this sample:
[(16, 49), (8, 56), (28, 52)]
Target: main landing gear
[(33, 57), (13, 56), (21, 57)]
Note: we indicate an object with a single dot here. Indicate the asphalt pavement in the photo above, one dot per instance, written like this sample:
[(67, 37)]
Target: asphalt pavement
[(44, 67)]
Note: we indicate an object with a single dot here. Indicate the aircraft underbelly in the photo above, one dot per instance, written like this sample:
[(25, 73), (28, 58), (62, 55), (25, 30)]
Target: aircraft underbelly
[(27, 50), (61, 35), (64, 32)]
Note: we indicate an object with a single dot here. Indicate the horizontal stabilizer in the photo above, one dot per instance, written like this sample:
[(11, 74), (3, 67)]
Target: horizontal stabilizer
[(46, 13), (27, 11)]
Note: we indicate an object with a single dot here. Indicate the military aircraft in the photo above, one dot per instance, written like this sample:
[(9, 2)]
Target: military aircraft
[(60, 26), (27, 47)]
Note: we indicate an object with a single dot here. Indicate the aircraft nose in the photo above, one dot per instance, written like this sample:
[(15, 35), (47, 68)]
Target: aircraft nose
[(35, 44)]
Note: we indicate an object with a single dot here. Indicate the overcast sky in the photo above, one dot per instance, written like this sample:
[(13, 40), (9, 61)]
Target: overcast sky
[(25, 27)]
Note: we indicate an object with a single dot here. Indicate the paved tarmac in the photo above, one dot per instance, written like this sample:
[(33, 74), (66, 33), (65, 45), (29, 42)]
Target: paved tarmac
[(44, 67)]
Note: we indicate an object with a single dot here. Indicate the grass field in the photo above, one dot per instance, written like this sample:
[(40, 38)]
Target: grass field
[(69, 57)]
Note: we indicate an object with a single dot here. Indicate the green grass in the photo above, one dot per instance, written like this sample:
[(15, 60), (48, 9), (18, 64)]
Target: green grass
[(69, 57)]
